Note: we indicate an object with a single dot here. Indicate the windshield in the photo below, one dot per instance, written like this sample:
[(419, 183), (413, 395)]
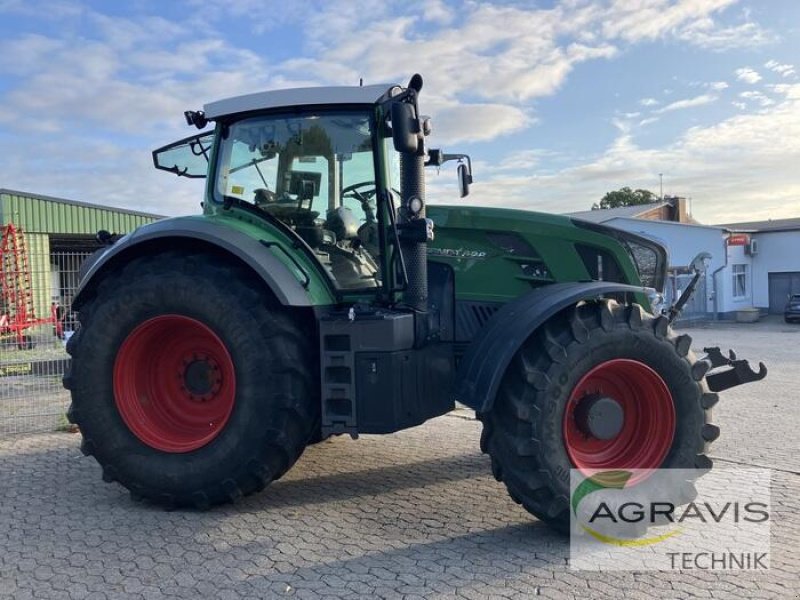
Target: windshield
[(315, 173)]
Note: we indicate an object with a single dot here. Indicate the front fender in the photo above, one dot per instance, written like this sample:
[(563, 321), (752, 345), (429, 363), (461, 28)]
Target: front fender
[(488, 356), (290, 286)]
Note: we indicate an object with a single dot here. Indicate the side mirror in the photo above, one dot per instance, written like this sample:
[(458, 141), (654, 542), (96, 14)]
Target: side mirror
[(404, 128), (464, 179)]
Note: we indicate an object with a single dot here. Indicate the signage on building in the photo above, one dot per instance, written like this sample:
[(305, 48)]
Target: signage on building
[(738, 239)]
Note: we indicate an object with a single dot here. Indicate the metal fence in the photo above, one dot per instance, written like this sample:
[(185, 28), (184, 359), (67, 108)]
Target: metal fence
[(35, 322)]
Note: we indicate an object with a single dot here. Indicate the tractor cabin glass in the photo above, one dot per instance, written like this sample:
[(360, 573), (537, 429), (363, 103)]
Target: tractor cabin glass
[(316, 174)]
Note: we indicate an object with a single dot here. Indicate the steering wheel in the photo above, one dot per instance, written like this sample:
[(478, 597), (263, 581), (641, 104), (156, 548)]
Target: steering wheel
[(364, 196)]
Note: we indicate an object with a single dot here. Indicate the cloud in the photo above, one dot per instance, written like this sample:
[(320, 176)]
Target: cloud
[(84, 101), (705, 33), (723, 167), (525, 160), (782, 69), (717, 86), (748, 75), (758, 97), (436, 11), (513, 55), (687, 103), (134, 76), (474, 122), (653, 19), (692, 22)]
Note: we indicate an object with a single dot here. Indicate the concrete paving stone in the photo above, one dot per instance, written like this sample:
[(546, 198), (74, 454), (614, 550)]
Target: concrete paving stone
[(78, 590), (689, 589), (470, 594)]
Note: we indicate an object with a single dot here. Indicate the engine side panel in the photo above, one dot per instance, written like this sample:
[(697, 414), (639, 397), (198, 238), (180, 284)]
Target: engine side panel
[(498, 255)]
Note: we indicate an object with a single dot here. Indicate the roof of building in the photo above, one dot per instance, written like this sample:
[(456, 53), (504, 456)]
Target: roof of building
[(606, 214), (367, 94), (45, 214), (126, 211), (792, 224), (647, 222)]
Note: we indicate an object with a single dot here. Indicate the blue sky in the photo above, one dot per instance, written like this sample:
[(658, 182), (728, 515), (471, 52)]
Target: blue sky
[(558, 102)]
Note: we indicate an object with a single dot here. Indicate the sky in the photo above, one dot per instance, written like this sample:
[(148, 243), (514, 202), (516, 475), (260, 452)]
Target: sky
[(557, 102)]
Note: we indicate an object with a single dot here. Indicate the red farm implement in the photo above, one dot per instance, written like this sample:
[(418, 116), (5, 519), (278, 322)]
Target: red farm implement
[(17, 311)]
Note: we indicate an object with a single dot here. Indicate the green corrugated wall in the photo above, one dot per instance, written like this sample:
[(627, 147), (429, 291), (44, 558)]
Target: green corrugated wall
[(41, 214), (38, 247)]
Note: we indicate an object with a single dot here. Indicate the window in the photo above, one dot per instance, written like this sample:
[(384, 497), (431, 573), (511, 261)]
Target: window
[(187, 157), (316, 174), (739, 281)]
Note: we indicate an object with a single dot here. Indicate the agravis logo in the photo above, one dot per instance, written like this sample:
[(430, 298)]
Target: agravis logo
[(665, 519), (605, 480)]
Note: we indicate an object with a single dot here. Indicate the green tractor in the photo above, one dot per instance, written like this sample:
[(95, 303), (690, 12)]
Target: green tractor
[(318, 295)]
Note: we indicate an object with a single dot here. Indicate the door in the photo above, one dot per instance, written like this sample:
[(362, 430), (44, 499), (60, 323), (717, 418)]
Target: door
[(781, 285)]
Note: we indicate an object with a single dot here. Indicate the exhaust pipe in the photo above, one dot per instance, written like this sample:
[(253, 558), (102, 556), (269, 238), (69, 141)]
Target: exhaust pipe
[(414, 228)]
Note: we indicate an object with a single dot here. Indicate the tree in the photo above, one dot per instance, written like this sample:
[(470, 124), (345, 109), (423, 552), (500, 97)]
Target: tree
[(625, 197)]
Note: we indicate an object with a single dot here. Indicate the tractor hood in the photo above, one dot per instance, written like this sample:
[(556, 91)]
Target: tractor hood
[(498, 254)]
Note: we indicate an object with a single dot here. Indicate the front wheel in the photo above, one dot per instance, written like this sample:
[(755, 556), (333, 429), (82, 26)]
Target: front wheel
[(191, 386), (601, 387)]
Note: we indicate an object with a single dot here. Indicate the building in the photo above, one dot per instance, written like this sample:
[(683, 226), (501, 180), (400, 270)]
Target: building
[(765, 262), (57, 234), (753, 265), (670, 208)]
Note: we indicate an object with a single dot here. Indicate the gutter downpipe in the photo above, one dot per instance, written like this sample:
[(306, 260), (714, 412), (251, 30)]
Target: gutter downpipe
[(714, 276)]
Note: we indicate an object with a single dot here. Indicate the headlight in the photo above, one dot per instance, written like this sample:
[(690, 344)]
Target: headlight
[(648, 256)]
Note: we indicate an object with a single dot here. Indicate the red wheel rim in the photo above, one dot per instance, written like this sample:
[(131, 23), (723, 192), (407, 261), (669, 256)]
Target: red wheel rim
[(648, 418), (174, 383)]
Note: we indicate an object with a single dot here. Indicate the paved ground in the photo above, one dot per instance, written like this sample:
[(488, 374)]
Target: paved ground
[(409, 515)]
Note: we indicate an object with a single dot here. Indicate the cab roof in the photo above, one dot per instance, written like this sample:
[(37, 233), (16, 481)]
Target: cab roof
[(333, 95)]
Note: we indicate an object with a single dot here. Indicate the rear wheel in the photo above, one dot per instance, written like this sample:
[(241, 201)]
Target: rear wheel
[(190, 385), (600, 387)]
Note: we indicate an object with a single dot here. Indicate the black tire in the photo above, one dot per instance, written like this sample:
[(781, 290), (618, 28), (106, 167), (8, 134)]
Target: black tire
[(275, 404), (523, 432)]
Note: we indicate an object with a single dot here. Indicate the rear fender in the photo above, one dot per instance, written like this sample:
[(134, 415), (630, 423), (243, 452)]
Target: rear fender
[(290, 288), (490, 352)]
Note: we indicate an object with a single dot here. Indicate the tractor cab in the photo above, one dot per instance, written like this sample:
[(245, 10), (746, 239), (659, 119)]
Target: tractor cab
[(314, 173), (326, 168)]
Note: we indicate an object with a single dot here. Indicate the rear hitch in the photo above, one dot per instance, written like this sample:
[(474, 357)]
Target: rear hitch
[(739, 372)]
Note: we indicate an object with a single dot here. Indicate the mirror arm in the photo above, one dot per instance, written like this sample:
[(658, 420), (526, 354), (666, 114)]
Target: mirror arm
[(436, 158)]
